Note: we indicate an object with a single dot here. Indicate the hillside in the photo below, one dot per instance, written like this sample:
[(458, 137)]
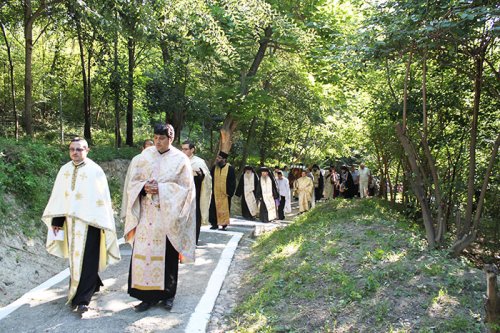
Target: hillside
[(356, 266)]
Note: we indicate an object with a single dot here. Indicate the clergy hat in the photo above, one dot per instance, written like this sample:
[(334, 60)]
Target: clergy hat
[(261, 169), (223, 154), (248, 167)]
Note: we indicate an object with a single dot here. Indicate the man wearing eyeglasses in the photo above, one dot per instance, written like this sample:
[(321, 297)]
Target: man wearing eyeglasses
[(81, 226)]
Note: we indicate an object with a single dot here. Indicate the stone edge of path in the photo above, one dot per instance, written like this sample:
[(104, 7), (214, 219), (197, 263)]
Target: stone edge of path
[(199, 319)]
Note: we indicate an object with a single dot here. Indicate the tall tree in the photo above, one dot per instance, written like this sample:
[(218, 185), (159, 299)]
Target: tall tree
[(31, 14)]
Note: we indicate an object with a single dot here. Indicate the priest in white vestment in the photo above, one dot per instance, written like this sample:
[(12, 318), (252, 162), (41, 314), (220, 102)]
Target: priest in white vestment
[(203, 184), (304, 187), (80, 222), (161, 220), (248, 189)]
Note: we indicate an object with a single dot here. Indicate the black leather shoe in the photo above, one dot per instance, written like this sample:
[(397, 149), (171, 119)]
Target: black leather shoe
[(214, 227), (168, 303), (82, 308), (143, 306)]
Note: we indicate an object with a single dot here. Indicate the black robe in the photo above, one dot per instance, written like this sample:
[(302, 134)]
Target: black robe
[(198, 180), (240, 193), (349, 188), (230, 187), (318, 191), (263, 209), (90, 282)]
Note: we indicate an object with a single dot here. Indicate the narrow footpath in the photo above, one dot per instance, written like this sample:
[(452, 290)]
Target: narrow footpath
[(205, 293)]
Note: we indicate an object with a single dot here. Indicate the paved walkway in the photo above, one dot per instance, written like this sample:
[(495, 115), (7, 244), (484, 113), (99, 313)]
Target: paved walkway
[(112, 310)]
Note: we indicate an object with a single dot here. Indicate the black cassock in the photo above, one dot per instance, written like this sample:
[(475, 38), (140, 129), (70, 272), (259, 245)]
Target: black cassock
[(263, 209), (90, 282), (240, 192), (230, 187)]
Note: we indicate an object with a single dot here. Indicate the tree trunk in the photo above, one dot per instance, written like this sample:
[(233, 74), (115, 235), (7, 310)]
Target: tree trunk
[(86, 106), (492, 305), (405, 95), (130, 91), (12, 86), (424, 94), (115, 82), (230, 124), (387, 177), (463, 242), (263, 144), (417, 184), (478, 78), (28, 79), (396, 181), (251, 130)]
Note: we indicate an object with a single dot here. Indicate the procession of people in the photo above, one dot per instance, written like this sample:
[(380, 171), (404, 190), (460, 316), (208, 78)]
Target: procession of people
[(168, 194)]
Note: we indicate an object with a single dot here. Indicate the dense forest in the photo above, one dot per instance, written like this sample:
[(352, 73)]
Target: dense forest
[(410, 87)]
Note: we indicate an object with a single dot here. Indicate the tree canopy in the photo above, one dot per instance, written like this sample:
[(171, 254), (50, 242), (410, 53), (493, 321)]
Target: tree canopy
[(277, 82)]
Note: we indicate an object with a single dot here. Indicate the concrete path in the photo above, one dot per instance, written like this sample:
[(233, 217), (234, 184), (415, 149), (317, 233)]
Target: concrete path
[(112, 310)]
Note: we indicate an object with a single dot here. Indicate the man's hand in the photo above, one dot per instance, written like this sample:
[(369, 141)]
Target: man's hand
[(55, 229), (151, 187)]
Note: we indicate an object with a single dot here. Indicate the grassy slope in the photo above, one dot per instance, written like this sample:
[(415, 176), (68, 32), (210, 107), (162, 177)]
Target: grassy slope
[(355, 266)]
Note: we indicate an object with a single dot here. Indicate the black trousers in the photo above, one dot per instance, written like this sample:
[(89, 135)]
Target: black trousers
[(90, 282), (281, 208), (171, 276)]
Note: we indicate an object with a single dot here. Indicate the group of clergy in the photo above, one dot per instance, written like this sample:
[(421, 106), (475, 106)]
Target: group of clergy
[(159, 210), (168, 194), (264, 193)]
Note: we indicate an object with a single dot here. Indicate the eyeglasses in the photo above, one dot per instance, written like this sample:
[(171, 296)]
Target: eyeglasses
[(76, 149)]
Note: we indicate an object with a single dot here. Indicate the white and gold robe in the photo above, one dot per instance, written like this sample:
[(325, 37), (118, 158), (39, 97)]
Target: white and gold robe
[(81, 194), (304, 187), (123, 209), (170, 213), (266, 185), (206, 186)]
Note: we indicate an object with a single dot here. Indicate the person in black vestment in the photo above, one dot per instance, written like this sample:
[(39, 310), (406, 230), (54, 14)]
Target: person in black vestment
[(347, 188), (268, 195), (222, 172), (248, 209)]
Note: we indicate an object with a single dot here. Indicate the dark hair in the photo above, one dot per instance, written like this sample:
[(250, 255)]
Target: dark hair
[(279, 173), (190, 143), (164, 129)]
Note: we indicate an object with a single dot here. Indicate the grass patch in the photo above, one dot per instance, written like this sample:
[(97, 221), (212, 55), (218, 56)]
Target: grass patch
[(352, 265)]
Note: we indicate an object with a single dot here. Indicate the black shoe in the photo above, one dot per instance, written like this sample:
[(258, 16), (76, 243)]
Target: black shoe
[(143, 306), (214, 227), (82, 308), (168, 303)]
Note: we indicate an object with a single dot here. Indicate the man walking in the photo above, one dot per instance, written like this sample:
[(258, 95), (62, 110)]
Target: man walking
[(81, 224), (223, 186), (203, 184), (161, 220), (285, 205), (364, 180)]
